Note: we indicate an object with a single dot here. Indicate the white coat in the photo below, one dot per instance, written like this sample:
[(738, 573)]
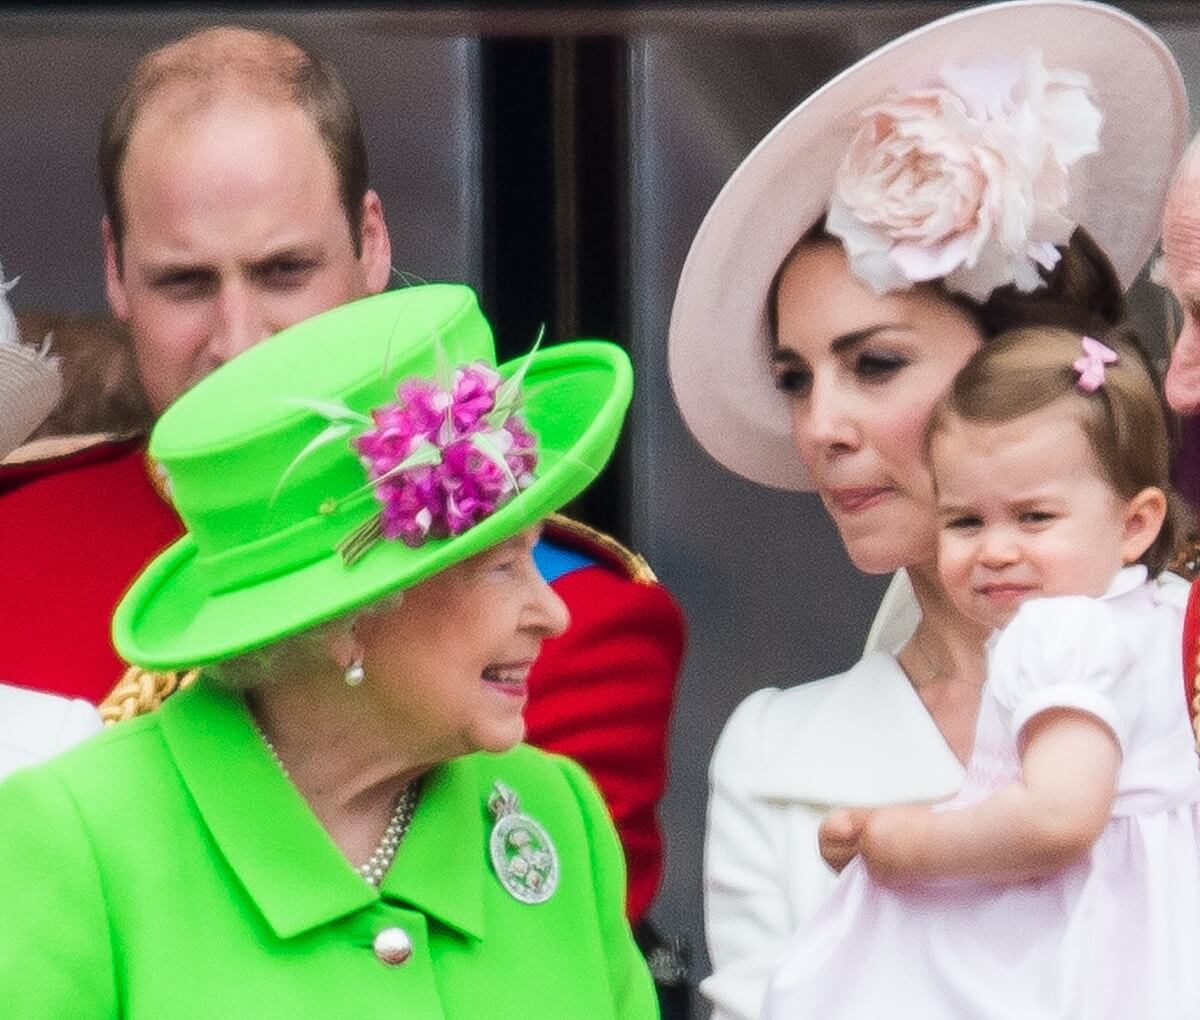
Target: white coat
[(784, 760), (35, 726)]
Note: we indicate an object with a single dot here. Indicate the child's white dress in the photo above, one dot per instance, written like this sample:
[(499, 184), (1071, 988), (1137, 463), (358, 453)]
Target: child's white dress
[(1116, 937)]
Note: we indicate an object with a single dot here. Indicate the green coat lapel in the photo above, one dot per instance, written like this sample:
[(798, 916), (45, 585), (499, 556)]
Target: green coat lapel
[(442, 863), (265, 830), (286, 862)]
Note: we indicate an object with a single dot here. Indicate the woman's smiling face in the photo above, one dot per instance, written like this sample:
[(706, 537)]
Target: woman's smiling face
[(449, 663), (862, 373)]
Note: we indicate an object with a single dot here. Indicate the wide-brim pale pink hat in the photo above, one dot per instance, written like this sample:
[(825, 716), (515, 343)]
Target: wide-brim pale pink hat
[(719, 343), (30, 382)]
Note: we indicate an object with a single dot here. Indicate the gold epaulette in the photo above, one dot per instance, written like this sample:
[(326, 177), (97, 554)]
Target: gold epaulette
[(140, 691), (1186, 560), (1196, 705), (608, 547), (1195, 678), (1186, 563)]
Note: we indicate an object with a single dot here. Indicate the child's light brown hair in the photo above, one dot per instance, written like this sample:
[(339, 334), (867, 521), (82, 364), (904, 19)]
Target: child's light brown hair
[(1124, 420)]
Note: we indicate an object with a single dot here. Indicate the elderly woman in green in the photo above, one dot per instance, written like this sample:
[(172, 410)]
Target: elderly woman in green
[(338, 818)]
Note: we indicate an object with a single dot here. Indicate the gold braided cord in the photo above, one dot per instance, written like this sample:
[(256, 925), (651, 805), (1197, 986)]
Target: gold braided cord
[(1186, 563), (140, 691), (1196, 703), (633, 563)]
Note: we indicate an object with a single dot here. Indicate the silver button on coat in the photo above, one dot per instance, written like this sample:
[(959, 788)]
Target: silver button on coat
[(393, 946)]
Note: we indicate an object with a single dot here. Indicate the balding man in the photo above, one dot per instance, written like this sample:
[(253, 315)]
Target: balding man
[(237, 203), (1181, 261), (235, 183)]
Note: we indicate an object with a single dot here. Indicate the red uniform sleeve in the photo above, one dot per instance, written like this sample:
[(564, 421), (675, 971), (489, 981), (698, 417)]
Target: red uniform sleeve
[(73, 535), (602, 692), (1191, 648)]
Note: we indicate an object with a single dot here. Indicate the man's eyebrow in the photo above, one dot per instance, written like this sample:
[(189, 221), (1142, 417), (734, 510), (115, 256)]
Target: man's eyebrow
[(165, 270), (303, 250)]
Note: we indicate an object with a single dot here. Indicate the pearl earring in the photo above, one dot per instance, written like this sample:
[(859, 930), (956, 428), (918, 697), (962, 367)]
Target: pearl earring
[(355, 674)]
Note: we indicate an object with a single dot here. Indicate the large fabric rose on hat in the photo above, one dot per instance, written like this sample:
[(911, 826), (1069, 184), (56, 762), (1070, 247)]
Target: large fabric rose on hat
[(966, 180)]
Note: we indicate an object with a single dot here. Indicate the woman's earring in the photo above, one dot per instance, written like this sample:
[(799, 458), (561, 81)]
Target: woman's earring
[(355, 674)]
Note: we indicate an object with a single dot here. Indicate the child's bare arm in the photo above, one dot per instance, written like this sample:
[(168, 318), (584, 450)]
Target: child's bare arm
[(1030, 828)]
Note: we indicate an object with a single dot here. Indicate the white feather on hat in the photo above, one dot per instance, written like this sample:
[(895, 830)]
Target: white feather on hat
[(30, 380)]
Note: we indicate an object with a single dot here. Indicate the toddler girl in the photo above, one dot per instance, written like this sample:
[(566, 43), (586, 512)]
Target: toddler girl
[(1063, 881)]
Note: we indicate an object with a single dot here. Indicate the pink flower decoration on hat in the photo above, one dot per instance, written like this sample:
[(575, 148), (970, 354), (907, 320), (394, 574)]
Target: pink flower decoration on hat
[(966, 180), (442, 459), (1090, 365)]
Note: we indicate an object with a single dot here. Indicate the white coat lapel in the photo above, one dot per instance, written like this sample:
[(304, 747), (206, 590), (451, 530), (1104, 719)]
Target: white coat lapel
[(868, 741)]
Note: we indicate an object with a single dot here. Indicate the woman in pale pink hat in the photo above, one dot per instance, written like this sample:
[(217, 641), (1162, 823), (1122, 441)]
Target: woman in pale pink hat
[(33, 726), (997, 168)]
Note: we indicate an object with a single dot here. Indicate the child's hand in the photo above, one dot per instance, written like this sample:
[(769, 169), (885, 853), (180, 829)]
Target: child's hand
[(894, 842), (839, 835)]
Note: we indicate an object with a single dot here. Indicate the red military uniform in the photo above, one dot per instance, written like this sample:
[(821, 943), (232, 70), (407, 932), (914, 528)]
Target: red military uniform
[(1191, 656), (76, 528)]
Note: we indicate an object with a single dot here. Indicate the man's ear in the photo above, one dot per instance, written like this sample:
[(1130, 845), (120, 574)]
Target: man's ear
[(1143, 520), (376, 257), (114, 281)]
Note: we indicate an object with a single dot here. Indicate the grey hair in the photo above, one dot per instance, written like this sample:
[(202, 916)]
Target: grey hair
[(297, 655), (1187, 175)]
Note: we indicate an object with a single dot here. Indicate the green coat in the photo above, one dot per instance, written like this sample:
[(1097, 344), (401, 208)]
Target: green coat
[(167, 868)]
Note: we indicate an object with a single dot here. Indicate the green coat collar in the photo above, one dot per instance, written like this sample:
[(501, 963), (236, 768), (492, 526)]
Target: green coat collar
[(285, 860)]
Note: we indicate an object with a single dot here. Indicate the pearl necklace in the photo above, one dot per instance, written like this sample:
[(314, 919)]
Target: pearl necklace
[(376, 866)]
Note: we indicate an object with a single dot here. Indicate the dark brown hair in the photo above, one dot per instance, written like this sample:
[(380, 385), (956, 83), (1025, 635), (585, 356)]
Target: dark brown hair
[(1124, 420), (1081, 293), (229, 60)]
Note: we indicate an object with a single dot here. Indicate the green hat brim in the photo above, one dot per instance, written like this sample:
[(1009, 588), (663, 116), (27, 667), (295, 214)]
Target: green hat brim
[(575, 398)]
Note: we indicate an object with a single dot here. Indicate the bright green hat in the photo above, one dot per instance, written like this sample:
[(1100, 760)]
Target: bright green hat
[(262, 469)]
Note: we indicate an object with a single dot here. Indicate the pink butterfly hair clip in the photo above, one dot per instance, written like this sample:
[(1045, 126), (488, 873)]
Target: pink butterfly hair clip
[(1090, 365)]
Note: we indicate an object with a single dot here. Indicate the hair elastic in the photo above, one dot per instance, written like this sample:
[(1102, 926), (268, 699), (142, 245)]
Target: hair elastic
[(1090, 365)]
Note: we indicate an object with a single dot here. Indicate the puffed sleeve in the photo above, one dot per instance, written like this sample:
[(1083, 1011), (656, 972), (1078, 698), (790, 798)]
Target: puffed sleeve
[(56, 957), (633, 994), (748, 908), (1062, 652)]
